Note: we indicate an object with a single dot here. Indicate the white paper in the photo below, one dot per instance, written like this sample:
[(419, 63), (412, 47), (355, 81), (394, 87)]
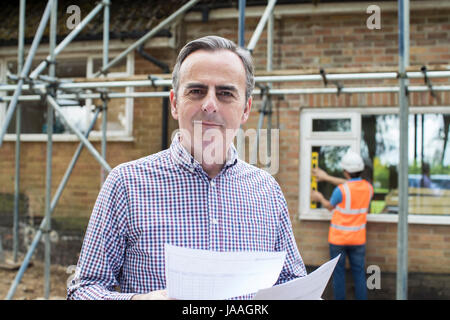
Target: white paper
[(309, 287), (202, 274)]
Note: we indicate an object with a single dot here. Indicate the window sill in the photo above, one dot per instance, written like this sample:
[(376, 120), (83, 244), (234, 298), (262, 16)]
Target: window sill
[(325, 215), (42, 137)]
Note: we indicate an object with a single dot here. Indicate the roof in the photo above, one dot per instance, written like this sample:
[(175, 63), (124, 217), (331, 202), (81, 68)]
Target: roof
[(128, 19)]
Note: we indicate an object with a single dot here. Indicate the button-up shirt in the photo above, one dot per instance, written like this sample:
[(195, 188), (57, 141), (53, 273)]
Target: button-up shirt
[(168, 198)]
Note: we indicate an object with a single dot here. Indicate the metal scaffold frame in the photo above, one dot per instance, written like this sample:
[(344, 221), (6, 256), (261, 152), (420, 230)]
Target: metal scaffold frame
[(52, 89)]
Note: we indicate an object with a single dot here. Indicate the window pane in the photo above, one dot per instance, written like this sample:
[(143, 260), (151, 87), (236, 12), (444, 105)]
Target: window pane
[(429, 162), (71, 68), (333, 125), (34, 117), (329, 158), (34, 113), (65, 67), (116, 112)]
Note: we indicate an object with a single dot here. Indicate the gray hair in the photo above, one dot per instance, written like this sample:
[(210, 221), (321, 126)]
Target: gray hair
[(214, 43)]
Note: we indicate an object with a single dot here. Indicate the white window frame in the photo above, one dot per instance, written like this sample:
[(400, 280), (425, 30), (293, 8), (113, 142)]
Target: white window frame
[(129, 102), (122, 135), (309, 139)]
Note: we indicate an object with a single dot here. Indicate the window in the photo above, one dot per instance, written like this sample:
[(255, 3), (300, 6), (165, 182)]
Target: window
[(329, 133), (120, 111)]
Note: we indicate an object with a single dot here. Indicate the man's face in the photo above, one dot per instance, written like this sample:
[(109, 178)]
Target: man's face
[(210, 104)]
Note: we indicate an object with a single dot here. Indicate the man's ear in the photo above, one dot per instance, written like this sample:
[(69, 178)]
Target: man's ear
[(173, 104), (246, 114)]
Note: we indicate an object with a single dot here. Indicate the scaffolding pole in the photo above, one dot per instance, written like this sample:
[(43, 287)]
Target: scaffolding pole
[(78, 133), (240, 148), (402, 228), (106, 12), (26, 69), (168, 21), (258, 79), (266, 107), (58, 193), (241, 24), (48, 170), (53, 105), (20, 55), (261, 24), (63, 44), (273, 92)]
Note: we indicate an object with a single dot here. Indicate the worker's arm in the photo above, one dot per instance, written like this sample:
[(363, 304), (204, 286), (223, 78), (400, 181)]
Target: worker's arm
[(322, 175), (317, 196)]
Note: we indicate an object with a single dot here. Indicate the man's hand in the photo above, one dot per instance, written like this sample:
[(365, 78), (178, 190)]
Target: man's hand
[(316, 196), (320, 174), (154, 295)]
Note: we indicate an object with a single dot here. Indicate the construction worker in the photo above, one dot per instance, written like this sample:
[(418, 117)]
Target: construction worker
[(349, 204)]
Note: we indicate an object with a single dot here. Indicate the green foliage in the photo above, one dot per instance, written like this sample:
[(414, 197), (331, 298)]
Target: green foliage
[(380, 173)]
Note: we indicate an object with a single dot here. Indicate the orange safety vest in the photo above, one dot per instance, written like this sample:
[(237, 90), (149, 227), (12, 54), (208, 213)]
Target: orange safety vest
[(348, 224)]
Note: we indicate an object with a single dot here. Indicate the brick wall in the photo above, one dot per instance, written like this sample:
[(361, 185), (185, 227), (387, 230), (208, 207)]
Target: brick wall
[(338, 41), (300, 42)]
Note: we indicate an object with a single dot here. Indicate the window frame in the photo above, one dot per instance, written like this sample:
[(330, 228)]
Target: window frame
[(95, 135), (307, 140)]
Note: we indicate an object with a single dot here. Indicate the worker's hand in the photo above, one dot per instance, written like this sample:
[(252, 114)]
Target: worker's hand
[(153, 295), (320, 174), (316, 196)]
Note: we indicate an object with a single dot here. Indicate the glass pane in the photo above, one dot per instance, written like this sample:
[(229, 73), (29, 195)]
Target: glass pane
[(429, 162), (34, 117), (71, 68), (34, 113), (333, 125), (329, 158), (116, 112), (65, 67)]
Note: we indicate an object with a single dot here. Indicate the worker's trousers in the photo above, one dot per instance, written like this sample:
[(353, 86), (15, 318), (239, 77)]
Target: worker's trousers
[(356, 256)]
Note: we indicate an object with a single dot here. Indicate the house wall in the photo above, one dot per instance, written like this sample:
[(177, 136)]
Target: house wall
[(344, 41), (300, 42)]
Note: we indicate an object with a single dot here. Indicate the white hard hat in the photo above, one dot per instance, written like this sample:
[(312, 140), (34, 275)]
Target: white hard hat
[(352, 162)]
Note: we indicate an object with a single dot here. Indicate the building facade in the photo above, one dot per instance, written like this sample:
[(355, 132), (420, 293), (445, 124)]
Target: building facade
[(335, 37)]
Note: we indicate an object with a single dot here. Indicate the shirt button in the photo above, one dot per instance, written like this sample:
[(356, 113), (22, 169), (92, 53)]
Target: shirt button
[(214, 221), (213, 184)]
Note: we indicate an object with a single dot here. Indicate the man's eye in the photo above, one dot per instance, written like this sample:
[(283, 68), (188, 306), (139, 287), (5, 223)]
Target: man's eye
[(225, 93), (196, 91)]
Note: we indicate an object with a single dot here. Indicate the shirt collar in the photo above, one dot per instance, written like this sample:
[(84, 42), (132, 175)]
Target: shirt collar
[(185, 160)]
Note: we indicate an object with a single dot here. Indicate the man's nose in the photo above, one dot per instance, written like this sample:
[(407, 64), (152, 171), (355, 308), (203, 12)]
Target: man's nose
[(210, 103)]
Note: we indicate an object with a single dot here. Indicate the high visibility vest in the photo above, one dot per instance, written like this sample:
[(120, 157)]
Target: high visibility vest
[(348, 223)]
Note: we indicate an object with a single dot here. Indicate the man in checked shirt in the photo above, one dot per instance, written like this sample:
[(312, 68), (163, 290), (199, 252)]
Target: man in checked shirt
[(196, 194)]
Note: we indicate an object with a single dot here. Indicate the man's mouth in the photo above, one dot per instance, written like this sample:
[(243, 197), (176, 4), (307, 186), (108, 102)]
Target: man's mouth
[(207, 123)]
